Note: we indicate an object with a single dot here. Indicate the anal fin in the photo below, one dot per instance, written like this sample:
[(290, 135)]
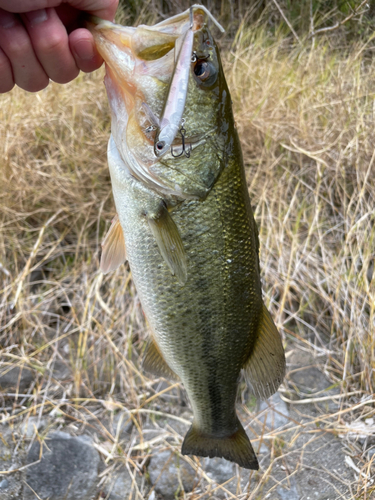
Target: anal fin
[(154, 363), (113, 248), (169, 242), (265, 367)]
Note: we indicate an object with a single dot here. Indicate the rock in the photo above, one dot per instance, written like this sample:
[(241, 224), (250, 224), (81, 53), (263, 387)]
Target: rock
[(290, 493), (275, 412), (10, 485), (121, 486), (122, 424), (179, 429), (170, 474), (61, 371), (119, 424), (4, 484), (219, 469), (31, 425), (308, 381), (171, 396), (67, 471), (13, 378)]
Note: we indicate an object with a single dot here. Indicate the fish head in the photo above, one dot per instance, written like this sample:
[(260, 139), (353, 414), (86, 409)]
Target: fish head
[(140, 64)]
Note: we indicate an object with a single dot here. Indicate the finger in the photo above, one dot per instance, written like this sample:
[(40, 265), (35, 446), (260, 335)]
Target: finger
[(84, 50), (102, 8), (51, 44), (6, 74), (15, 42)]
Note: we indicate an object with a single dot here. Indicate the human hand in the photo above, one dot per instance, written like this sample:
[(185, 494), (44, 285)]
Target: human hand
[(42, 40)]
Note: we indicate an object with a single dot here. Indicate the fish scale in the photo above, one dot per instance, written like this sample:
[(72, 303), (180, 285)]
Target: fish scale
[(190, 236)]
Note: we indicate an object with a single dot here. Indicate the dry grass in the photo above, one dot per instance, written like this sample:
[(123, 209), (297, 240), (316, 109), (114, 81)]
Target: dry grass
[(306, 120), (305, 116)]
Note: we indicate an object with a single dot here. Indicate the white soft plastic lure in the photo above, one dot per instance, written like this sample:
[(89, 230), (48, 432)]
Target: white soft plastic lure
[(171, 119), (175, 104)]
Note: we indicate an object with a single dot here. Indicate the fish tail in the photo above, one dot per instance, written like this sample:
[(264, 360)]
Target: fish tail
[(235, 447)]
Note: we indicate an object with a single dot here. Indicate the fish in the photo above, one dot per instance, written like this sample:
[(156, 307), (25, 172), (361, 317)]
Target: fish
[(185, 224)]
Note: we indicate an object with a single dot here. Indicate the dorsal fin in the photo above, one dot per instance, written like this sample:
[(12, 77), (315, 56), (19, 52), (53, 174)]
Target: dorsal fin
[(265, 367), (113, 248)]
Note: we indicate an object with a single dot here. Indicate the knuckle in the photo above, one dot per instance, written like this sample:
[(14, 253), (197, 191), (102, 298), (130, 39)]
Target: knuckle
[(52, 44), (18, 48)]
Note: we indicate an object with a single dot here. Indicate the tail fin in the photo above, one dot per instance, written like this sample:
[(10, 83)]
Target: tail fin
[(235, 448)]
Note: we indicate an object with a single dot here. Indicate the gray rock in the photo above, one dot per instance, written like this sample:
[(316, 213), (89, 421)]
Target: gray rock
[(10, 485), (61, 371), (219, 469), (290, 493), (15, 378), (31, 425), (307, 379), (171, 396), (67, 471), (178, 427), (170, 474), (121, 486), (122, 424), (276, 413), (119, 424), (6, 449), (4, 484)]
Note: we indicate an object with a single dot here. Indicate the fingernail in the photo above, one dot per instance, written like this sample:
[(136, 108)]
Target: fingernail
[(36, 16), (7, 20), (84, 50)]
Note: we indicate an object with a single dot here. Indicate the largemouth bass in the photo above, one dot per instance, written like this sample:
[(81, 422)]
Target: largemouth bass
[(185, 219)]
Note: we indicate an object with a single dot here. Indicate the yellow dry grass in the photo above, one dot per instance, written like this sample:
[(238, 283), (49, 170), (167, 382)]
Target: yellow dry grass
[(305, 116)]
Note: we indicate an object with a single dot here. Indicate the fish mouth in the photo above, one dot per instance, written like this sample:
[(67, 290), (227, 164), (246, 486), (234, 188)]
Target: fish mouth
[(181, 144), (181, 147), (139, 65)]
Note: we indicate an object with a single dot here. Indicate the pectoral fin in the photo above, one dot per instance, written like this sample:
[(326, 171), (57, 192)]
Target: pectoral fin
[(169, 242), (113, 248), (154, 363), (265, 368)]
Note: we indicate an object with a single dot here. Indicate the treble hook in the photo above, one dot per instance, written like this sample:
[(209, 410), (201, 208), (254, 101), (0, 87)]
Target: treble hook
[(184, 150)]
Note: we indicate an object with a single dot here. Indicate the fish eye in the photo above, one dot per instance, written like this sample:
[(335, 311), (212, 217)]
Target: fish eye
[(205, 71), (160, 145), (201, 69)]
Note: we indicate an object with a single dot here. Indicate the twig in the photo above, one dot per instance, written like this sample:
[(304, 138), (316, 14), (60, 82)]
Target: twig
[(4, 270), (339, 23), (316, 400), (287, 22), (4, 472)]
